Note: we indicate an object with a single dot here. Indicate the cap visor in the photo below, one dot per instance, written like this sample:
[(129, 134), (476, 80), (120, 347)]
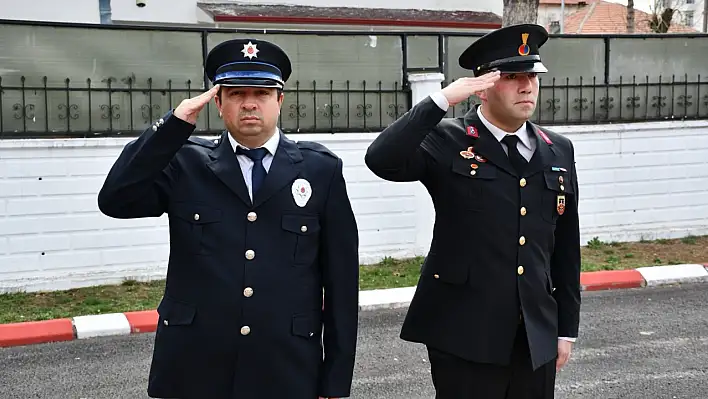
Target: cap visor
[(250, 83), (537, 67)]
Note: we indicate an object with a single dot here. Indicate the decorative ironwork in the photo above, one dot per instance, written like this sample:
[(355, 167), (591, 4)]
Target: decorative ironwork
[(26, 112), (362, 112), (127, 105), (683, 101), (68, 111), (110, 111), (580, 104), (328, 111), (633, 102), (295, 114), (397, 110), (149, 112), (553, 105)]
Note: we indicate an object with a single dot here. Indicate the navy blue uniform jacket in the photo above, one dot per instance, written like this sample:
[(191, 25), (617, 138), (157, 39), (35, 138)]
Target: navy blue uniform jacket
[(505, 247), (242, 314)]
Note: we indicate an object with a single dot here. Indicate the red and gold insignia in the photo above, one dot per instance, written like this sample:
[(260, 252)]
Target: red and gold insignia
[(472, 132), (524, 49), (468, 154), (474, 166), (544, 137), (479, 158), (560, 204)]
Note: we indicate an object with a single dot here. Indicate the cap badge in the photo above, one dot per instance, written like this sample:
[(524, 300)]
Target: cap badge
[(524, 49), (250, 50)]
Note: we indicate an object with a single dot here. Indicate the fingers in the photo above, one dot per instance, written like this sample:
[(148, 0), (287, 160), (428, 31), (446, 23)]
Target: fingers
[(207, 95)]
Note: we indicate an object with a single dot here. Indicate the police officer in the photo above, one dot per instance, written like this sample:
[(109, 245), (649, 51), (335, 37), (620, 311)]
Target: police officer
[(498, 300), (259, 227)]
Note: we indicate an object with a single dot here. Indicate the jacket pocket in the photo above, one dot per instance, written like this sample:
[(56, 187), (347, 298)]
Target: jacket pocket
[(307, 325), (194, 227), (173, 312), (556, 195), (304, 238)]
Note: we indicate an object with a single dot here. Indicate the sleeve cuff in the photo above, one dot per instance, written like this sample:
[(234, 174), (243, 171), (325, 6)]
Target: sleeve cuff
[(440, 100), (568, 339)]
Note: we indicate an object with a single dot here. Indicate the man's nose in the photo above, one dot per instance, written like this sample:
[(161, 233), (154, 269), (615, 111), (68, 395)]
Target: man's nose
[(248, 105)]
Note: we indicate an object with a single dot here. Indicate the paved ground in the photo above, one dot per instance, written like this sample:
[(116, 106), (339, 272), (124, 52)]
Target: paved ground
[(648, 343)]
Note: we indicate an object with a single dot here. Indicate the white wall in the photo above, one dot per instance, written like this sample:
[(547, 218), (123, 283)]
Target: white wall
[(81, 11), (495, 6), (637, 181), (175, 12)]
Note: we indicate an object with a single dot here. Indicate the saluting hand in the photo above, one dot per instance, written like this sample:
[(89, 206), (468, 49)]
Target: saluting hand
[(189, 108), (463, 88)]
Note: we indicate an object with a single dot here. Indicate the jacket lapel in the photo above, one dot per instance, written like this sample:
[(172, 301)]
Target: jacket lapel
[(486, 144), (283, 170), (225, 166), (544, 156)]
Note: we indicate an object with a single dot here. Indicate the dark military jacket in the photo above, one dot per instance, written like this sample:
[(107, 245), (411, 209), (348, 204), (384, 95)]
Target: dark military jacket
[(505, 247), (242, 314)]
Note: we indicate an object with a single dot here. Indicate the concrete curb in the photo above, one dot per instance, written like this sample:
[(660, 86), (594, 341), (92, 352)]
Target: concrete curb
[(126, 323)]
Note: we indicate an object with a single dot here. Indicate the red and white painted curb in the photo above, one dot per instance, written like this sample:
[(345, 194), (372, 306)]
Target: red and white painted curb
[(91, 326)]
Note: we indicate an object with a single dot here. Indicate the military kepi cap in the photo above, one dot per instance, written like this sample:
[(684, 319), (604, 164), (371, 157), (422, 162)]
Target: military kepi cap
[(248, 62), (512, 49)]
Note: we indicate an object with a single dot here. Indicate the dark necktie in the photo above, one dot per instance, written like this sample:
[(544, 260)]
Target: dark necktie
[(517, 161), (258, 173)]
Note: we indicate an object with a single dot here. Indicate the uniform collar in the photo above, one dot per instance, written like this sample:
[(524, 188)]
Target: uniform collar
[(271, 145), (522, 133)]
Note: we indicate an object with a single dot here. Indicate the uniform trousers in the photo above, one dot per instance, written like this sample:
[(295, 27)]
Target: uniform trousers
[(456, 378)]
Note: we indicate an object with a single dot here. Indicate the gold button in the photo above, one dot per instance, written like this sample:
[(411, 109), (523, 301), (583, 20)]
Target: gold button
[(436, 275), (154, 128), (523, 211), (196, 216), (303, 229), (161, 121), (522, 240), (250, 254), (252, 216), (522, 182), (248, 292), (245, 330), (520, 270), (167, 323)]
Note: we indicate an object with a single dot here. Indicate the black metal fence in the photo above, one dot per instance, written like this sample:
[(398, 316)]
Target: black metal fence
[(630, 100), (126, 108)]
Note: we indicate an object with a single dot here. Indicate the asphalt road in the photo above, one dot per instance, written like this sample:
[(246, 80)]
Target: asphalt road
[(647, 343)]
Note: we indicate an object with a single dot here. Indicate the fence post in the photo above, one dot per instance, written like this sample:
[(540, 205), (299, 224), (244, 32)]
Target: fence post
[(422, 85)]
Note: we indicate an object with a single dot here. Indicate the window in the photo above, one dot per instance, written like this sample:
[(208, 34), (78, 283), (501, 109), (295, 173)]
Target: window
[(688, 18)]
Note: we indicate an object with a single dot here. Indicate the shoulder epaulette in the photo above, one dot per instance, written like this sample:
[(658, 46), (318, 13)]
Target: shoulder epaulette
[(314, 146), (203, 142)]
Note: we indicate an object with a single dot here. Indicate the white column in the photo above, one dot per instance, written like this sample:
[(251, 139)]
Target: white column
[(422, 85)]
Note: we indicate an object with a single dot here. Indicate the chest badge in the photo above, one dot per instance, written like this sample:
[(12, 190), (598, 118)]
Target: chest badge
[(302, 191), (560, 204), (468, 154), (472, 132)]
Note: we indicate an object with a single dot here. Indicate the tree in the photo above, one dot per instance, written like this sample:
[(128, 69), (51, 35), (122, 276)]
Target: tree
[(520, 12), (663, 14)]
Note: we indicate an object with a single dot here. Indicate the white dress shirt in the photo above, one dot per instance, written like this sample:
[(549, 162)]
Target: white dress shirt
[(526, 144), (247, 164)]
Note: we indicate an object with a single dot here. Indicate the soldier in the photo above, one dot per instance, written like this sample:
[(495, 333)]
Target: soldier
[(259, 227), (497, 304)]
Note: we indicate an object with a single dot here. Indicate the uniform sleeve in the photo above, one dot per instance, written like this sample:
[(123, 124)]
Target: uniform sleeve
[(140, 181), (340, 273), (396, 153), (565, 264)]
